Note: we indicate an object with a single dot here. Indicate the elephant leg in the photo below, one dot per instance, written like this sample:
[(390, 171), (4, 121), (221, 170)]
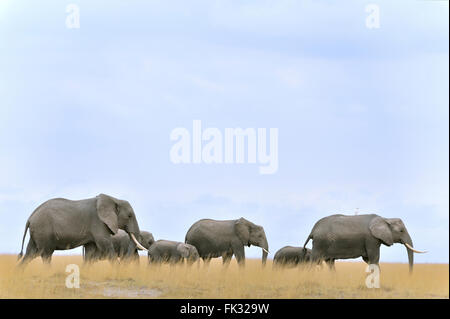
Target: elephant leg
[(330, 263), (373, 255), (239, 253), (374, 258), (206, 261), (316, 258), (90, 253), (30, 254), (46, 256), (366, 260), (121, 256), (129, 254), (106, 249), (226, 258), (154, 260), (135, 257), (175, 261)]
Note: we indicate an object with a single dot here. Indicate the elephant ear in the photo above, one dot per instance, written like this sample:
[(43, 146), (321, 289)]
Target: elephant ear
[(183, 249), (148, 239), (107, 211), (381, 230), (242, 231)]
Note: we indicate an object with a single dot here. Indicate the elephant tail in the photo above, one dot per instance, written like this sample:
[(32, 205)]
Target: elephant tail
[(306, 242), (27, 225)]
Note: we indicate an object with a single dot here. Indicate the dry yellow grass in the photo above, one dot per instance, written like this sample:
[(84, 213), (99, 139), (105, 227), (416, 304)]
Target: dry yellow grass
[(103, 280)]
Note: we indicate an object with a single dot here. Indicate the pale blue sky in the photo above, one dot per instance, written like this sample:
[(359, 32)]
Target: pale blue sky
[(362, 113)]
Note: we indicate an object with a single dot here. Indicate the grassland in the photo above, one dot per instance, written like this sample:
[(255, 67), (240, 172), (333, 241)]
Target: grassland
[(103, 280)]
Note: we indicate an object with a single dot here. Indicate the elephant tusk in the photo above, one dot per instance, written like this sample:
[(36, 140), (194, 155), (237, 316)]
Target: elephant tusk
[(414, 250), (137, 243), (265, 250)]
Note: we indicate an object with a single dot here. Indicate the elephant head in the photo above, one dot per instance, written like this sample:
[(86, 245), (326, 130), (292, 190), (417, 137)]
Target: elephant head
[(146, 239), (392, 230), (251, 234), (118, 214), (189, 252)]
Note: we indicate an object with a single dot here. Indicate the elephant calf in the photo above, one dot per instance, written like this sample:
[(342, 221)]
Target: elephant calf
[(172, 252), (124, 247), (291, 256)]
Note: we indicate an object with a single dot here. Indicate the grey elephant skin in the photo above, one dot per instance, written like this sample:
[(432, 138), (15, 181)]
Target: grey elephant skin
[(60, 224), (225, 238), (342, 237), (124, 247), (291, 256), (172, 252)]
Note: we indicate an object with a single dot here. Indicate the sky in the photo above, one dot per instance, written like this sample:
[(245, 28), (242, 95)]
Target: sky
[(362, 113)]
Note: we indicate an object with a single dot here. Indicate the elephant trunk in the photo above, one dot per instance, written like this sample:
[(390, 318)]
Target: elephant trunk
[(135, 234), (408, 241), (265, 251), (133, 228)]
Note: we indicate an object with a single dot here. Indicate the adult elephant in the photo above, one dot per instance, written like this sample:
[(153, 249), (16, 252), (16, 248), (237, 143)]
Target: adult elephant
[(124, 247), (60, 224), (342, 237), (225, 238), (291, 256), (172, 252)]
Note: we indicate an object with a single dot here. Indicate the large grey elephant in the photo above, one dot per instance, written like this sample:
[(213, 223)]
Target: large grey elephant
[(172, 252), (60, 224), (124, 247), (342, 237), (225, 238), (291, 256)]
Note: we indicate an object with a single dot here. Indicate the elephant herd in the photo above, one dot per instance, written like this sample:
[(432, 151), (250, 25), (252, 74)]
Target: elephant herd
[(107, 228)]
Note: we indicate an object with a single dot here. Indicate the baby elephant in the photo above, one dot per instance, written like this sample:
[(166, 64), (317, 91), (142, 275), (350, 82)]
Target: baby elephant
[(291, 256), (172, 252), (124, 247)]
